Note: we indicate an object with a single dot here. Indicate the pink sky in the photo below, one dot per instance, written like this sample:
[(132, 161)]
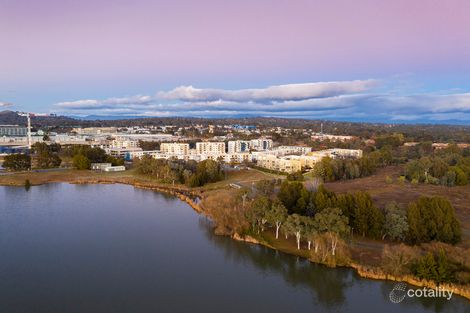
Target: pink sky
[(100, 48)]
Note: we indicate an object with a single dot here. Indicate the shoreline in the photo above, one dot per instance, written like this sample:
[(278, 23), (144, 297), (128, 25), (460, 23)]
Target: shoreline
[(187, 195)]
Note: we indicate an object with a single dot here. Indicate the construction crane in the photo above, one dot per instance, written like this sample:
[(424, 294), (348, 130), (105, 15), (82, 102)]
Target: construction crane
[(27, 114)]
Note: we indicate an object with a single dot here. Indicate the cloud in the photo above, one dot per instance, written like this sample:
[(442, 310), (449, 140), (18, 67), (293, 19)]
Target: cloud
[(102, 104), (290, 92), (5, 104), (338, 100)]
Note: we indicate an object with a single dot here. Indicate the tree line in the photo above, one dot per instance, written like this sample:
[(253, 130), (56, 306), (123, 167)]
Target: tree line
[(191, 173), (448, 167), (424, 220)]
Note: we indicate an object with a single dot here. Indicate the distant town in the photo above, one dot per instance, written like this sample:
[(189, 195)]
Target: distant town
[(170, 142)]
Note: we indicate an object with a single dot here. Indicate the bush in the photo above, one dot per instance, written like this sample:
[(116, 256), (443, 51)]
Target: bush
[(17, 162), (434, 267), (81, 162)]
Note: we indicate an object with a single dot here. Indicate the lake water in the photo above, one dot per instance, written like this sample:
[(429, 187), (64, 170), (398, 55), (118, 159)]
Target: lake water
[(114, 248)]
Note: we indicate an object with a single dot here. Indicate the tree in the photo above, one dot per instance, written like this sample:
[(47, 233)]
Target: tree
[(311, 233), (296, 224), (332, 222), (257, 214), (265, 187), (17, 162), (294, 196), (324, 169), (396, 223), (368, 219), (434, 267), (81, 162), (432, 218), (45, 156), (276, 215)]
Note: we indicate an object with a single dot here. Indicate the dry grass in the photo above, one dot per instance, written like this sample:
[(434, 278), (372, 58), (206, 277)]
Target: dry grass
[(383, 192)]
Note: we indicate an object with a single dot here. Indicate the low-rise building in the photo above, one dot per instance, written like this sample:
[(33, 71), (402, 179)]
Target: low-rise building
[(100, 166), (119, 168)]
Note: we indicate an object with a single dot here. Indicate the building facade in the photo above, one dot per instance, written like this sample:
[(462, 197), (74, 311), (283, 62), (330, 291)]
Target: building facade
[(210, 148), (13, 130), (175, 148), (237, 146)]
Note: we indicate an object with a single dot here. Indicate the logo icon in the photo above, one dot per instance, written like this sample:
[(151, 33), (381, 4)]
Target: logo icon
[(398, 293)]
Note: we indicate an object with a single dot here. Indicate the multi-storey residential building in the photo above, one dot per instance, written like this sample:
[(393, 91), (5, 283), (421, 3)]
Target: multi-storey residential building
[(119, 143), (175, 148), (237, 157), (285, 150), (237, 146), (212, 148), (121, 152), (13, 130), (95, 130), (288, 164), (334, 138), (261, 144), (344, 153), (292, 163)]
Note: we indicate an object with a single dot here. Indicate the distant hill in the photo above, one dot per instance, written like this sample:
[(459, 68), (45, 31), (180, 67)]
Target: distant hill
[(421, 132)]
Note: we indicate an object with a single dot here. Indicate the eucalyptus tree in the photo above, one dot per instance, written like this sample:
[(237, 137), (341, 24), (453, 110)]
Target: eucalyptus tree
[(396, 222), (332, 222), (258, 212), (311, 233), (297, 225), (276, 215)]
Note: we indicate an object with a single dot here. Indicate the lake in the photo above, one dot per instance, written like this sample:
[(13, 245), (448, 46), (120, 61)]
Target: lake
[(115, 248)]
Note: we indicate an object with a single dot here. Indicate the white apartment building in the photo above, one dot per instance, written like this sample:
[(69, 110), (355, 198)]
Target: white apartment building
[(120, 143), (287, 164), (334, 138), (210, 148), (261, 144), (237, 157), (121, 152), (95, 130), (237, 146), (344, 153), (175, 148), (292, 163), (285, 150)]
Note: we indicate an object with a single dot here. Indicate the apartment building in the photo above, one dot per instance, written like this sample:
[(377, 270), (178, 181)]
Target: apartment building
[(285, 150), (287, 164), (343, 153), (13, 130), (261, 144), (119, 143), (121, 152), (238, 157), (95, 130), (333, 138), (237, 146), (210, 148), (175, 148)]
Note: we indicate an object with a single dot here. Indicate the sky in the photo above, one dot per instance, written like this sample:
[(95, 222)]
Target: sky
[(388, 61)]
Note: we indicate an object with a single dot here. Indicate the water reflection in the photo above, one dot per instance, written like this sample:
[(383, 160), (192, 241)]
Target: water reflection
[(297, 272)]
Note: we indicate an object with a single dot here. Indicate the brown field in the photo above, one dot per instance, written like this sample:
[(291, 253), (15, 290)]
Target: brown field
[(403, 193)]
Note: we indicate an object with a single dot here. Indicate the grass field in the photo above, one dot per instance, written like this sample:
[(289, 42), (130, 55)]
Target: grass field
[(403, 193)]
